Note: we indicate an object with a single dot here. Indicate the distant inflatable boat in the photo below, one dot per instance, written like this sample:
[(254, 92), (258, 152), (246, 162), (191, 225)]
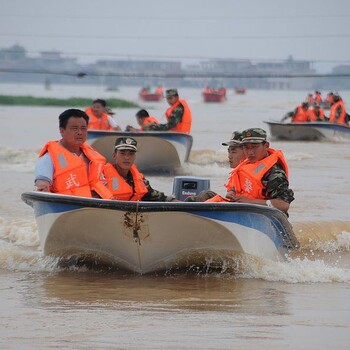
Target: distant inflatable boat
[(240, 90), (214, 95), (145, 237), (157, 151), (310, 131), (146, 95)]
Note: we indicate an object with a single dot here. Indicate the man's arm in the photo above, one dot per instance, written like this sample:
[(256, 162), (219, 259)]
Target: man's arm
[(154, 195), (113, 123), (277, 188), (174, 119), (44, 170)]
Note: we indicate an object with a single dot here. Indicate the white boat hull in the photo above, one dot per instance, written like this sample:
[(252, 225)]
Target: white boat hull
[(147, 237), (310, 131), (157, 151)]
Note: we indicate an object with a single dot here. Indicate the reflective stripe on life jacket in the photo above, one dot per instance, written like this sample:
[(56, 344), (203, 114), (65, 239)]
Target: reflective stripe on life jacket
[(70, 173), (96, 123), (120, 189), (186, 122), (246, 178), (333, 113), (300, 115)]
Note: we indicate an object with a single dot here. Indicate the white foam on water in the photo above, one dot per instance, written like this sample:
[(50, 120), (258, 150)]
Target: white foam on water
[(16, 258), (17, 160), (340, 243), (19, 232), (297, 156), (298, 271)]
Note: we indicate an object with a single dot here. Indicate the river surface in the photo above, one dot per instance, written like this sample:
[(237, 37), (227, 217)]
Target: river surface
[(300, 304)]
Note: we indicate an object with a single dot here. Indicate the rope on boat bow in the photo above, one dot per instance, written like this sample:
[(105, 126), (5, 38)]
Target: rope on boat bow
[(136, 226)]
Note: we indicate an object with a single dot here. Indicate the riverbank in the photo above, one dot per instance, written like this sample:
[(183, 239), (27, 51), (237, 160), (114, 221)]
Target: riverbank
[(64, 102)]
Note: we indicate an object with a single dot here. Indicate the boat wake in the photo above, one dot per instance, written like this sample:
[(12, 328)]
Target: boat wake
[(17, 160)]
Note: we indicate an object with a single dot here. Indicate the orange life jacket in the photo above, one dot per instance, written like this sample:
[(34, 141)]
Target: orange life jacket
[(96, 123), (120, 189), (300, 115), (149, 120), (246, 178), (333, 111), (186, 123), (70, 174), (318, 98), (312, 117)]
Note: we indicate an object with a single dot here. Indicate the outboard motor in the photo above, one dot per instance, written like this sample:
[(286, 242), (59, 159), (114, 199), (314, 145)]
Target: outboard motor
[(185, 186)]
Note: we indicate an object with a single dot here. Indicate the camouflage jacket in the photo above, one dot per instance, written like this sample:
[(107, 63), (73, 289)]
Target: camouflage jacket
[(276, 185), (152, 195), (174, 119)]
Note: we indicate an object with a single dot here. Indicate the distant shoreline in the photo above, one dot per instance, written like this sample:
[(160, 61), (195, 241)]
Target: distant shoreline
[(61, 102)]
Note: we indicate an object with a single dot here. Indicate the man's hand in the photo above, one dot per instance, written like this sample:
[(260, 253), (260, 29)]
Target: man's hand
[(42, 186)]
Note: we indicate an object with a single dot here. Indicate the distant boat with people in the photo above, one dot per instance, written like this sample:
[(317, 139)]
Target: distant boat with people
[(240, 90), (146, 94), (214, 95)]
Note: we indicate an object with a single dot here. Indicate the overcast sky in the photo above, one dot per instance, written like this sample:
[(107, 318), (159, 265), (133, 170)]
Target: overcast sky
[(169, 29)]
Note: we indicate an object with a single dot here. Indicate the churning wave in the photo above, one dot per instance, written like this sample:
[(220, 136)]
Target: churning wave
[(18, 160)]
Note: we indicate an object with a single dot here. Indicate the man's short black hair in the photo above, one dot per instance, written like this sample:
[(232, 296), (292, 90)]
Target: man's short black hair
[(103, 103), (142, 113), (71, 113)]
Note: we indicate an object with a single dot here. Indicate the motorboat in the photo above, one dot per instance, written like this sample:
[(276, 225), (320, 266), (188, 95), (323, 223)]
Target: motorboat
[(240, 90), (148, 237), (147, 95), (214, 95), (309, 131), (156, 150)]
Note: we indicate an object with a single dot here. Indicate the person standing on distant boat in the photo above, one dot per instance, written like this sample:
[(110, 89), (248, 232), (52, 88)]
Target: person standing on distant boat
[(337, 112), (100, 117), (124, 180), (262, 178), (178, 115), (235, 157), (316, 114), (143, 119), (70, 166), (299, 115)]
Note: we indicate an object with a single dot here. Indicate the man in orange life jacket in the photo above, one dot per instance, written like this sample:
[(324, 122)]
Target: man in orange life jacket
[(70, 166), (143, 119), (262, 178), (299, 115), (337, 112), (316, 114), (100, 117), (235, 157), (124, 180), (178, 115)]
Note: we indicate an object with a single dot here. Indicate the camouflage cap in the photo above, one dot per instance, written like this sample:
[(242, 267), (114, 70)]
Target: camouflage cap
[(171, 92), (235, 141), (254, 135), (125, 143)]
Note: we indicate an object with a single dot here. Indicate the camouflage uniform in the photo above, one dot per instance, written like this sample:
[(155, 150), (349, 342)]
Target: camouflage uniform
[(175, 117), (152, 195), (276, 185)]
